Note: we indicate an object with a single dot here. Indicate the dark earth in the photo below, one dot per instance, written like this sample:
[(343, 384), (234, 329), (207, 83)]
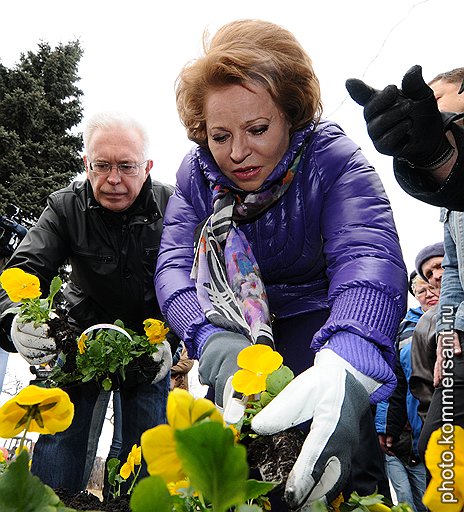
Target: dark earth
[(273, 456), (88, 501)]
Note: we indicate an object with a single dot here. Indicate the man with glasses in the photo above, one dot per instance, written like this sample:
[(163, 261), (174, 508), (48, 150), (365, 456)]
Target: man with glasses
[(108, 228)]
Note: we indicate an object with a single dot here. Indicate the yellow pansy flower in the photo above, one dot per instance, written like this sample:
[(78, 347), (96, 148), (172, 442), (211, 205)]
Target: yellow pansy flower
[(36, 409), (133, 459), (20, 285), (257, 362), (445, 462), (81, 346), (155, 330), (158, 443), (2, 457)]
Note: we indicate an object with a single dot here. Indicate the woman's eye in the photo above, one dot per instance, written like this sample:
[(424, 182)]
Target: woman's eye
[(219, 138), (259, 130)]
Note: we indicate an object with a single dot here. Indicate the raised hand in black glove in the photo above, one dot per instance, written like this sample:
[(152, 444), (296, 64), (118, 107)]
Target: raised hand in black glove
[(404, 123)]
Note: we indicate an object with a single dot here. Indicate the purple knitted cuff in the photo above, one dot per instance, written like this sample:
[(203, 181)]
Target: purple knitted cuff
[(367, 313), (369, 306), (187, 319), (202, 335), (367, 358)]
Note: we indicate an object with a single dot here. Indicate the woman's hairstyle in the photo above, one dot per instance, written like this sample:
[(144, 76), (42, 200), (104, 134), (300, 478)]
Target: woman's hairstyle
[(246, 52), (111, 120)]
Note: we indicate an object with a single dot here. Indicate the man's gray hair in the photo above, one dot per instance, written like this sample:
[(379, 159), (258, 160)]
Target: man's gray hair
[(109, 120)]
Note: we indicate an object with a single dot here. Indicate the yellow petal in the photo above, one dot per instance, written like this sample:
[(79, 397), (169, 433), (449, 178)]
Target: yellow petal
[(444, 460), (20, 285), (125, 471), (248, 383), (155, 330), (50, 406), (180, 403), (202, 407), (259, 359), (136, 454), (159, 452)]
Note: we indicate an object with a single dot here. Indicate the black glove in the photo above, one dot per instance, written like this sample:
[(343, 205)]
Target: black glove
[(218, 361), (404, 123)]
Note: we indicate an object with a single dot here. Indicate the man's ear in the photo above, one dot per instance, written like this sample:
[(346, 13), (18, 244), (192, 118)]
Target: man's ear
[(86, 165), (149, 167)]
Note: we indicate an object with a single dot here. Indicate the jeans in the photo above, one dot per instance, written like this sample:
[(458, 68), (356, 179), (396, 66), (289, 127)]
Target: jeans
[(408, 482), (59, 460), (98, 418)]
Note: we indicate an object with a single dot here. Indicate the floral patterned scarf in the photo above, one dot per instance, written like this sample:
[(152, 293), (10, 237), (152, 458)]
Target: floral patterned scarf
[(228, 280)]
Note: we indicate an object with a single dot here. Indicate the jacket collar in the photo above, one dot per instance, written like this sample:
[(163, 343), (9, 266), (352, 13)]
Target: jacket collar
[(144, 205)]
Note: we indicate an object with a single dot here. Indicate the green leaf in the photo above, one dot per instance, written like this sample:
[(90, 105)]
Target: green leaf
[(112, 466), (151, 494), (20, 491), (216, 466), (257, 488), (55, 286), (248, 508), (277, 380)]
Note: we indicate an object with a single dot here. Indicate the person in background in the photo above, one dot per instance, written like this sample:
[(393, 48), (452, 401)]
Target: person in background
[(424, 340), (397, 421), (11, 233), (295, 247), (427, 145), (108, 227), (428, 150), (180, 368)]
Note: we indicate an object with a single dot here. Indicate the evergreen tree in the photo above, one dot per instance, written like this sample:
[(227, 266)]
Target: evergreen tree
[(39, 106)]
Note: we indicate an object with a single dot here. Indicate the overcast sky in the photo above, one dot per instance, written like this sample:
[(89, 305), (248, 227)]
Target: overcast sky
[(134, 50)]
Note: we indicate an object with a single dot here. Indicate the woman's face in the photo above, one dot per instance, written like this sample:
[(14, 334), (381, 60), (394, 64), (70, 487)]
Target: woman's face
[(247, 133)]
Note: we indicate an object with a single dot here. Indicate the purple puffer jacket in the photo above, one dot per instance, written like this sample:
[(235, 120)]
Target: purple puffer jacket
[(330, 241)]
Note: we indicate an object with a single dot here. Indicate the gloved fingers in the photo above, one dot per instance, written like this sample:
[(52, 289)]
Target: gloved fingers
[(395, 140), (163, 355), (395, 116), (381, 102), (234, 404), (298, 400), (414, 86), (34, 342), (359, 91), (329, 485), (37, 357), (29, 328)]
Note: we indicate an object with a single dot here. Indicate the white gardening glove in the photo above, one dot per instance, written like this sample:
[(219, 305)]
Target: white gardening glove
[(163, 355), (33, 342), (330, 395)]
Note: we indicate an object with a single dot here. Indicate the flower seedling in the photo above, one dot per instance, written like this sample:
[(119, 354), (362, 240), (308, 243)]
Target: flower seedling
[(195, 463), (261, 377), (105, 351), (33, 409), (23, 287), (116, 478)]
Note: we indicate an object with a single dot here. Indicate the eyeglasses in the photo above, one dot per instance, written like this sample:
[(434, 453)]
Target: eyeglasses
[(125, 169)]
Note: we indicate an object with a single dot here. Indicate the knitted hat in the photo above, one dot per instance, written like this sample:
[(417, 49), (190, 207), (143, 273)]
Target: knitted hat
[(431, 251)]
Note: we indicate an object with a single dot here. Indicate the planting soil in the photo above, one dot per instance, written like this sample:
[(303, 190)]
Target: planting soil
[(87, 501), (275, 455)]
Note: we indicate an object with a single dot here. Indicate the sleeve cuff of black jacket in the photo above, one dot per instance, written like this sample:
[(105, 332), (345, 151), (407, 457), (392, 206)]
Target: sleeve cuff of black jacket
[(417, 184), (5, 337)]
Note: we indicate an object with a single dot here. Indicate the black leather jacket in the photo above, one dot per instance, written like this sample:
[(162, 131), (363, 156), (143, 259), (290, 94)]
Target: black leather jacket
[(112, 255)]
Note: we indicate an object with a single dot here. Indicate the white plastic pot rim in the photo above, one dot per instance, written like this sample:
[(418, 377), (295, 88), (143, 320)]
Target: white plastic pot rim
[(108, 326)]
